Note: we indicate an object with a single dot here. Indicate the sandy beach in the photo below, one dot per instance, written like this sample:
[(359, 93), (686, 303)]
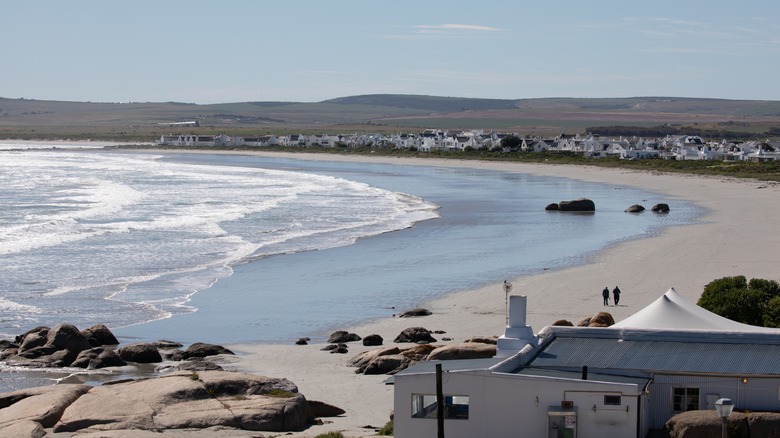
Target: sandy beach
[(735, 237)]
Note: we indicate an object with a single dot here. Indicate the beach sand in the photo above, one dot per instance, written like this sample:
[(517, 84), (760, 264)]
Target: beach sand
[(736, 236)]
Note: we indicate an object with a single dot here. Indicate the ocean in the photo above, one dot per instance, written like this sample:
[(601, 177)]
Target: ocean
[(240, 248)]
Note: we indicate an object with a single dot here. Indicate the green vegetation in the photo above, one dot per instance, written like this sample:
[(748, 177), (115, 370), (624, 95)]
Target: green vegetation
[(387, 429), (756, 302), (330, 435)]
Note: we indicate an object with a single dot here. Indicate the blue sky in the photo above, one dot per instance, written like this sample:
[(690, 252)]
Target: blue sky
[(308, 51)]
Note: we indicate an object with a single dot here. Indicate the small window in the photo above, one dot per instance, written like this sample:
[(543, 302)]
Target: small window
[(456, 407), (612, 400), (685, 399)]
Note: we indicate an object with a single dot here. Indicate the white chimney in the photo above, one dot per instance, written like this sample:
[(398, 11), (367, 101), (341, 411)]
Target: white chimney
[(517, 334)]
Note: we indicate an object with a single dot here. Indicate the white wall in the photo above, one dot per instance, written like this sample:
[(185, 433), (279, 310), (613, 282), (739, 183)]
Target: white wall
[(510, 405)]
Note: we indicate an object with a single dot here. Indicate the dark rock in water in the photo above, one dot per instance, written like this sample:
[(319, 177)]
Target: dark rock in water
[(98, 357), (302, 341), (372, 340), (101, 333), (636, 208), (43, 357), (33, 339), (415, 335), (163, 344), (415, 312), (19, 339), (140, 353), (660, 208), (564, 323), (439, 332), (552, 207), (329, 347), (581, 204), (341, 336), (67, 336)]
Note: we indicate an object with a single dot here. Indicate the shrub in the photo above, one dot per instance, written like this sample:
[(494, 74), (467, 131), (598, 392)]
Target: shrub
[(756, 302), (387, 429)]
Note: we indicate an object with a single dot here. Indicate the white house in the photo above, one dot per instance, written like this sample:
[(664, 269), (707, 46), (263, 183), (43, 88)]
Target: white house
[(623, 381)]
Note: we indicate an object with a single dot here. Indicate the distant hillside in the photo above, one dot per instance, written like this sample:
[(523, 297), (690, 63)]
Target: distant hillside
[(24, 118), (428, 103)]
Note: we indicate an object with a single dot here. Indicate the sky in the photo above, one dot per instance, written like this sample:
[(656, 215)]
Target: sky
[(312, 50)]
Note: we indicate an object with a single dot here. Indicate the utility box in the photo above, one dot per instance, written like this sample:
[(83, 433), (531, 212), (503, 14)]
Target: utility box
[(562, 421)]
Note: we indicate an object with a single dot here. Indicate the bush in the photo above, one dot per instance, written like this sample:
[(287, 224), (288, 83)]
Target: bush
[(387, 429), (330, 435), (756, 302)]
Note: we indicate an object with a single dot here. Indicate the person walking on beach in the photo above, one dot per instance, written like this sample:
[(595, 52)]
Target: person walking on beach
[(616, 295), (605, 295)]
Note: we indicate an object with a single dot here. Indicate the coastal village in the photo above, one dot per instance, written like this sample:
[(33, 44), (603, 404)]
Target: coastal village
[(671, 147)]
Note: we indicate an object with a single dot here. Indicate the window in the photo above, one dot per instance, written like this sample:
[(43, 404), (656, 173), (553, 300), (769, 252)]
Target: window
[(612, 400), (456, 407), (685, 399)]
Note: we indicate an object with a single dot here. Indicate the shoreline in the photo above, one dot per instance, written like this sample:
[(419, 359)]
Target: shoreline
[(733, 237), (727, 241)]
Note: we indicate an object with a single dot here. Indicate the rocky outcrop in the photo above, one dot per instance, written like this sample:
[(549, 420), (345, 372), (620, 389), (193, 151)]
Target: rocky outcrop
[(101, 334), (98, 357), (472, 350), (581, 204), (140, 353), (636, 208), (43, 406), (181, 400), (601, 319), (415, 335), (660, 208), (415, 312), (341, 337), (707, 423), (552, 207)]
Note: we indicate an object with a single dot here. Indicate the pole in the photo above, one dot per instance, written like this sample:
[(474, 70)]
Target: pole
[(724, 428), (439, 403)]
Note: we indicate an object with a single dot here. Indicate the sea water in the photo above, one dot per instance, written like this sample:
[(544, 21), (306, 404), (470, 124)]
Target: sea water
[(239, 248)]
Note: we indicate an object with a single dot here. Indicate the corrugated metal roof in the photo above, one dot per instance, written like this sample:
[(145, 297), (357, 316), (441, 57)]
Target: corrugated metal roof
[(660, 356)]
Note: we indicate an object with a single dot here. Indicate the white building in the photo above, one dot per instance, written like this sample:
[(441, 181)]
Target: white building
[(621, 381)]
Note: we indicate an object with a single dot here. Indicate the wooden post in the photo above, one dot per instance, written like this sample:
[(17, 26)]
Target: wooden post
[(439, 402)]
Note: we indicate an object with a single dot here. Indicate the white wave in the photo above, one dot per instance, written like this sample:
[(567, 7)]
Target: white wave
[(9, 306)]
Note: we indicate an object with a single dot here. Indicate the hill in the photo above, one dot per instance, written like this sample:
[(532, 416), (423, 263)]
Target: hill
[(24, 118)]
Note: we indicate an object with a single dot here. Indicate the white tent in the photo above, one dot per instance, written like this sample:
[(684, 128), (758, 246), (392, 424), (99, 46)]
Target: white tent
[(673, 312)]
